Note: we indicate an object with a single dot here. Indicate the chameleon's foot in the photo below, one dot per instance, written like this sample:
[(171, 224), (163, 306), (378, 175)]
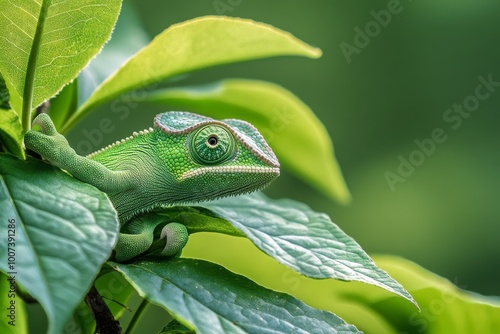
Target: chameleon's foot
[(137, 238), (176, 236), (48, 143)]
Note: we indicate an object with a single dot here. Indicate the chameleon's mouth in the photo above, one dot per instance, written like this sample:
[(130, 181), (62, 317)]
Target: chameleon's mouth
[(272, 172)]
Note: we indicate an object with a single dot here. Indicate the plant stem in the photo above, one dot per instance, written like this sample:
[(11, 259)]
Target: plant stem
[(137, 316), (29, 81)]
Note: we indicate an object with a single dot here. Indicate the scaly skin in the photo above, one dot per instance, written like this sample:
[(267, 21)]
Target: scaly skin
[(185, 158)]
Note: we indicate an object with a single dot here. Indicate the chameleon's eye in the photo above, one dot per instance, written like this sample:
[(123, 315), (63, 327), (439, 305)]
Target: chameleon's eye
[(212, 144)]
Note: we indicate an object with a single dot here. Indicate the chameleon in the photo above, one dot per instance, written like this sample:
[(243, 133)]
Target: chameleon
[(184, 158)]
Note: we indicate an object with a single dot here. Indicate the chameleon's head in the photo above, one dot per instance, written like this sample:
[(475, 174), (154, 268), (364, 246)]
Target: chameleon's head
[(209, 159)]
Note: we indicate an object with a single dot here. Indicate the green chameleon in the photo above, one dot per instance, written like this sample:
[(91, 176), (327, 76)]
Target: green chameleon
[(184, 158)]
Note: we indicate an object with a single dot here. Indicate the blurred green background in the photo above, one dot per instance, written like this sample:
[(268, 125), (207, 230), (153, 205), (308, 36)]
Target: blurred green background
[(393, 91)]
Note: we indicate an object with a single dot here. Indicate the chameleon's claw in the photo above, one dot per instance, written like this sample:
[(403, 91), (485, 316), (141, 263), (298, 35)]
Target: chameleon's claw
[(53, 148), (48, 143), (176, 238)]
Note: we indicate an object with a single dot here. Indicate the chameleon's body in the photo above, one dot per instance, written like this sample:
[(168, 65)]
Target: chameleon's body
[(184, 158)]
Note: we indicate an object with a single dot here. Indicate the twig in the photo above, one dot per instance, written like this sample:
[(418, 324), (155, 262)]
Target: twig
[(104, 319)]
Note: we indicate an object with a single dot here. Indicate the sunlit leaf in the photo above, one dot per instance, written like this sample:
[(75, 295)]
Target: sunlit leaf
[(193, 45), (69, 34)]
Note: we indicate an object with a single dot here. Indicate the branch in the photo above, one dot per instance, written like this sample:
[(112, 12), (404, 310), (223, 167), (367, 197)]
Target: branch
[(104, 319)]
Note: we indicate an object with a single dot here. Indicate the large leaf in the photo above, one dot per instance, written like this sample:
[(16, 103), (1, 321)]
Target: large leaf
[(193, 45), (210, 299), (54, 39), (299, 139), (302, 239), (445, 307), (11, 132), (64, 231)]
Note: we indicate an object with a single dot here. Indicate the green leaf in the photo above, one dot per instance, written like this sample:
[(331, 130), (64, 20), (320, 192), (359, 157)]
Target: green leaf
[(298, 138), (64, 104), (445, 307), (210, 299), (12, 306), (64, 231), (193, 45), (11, 132), (52, 39), (304, 240)]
